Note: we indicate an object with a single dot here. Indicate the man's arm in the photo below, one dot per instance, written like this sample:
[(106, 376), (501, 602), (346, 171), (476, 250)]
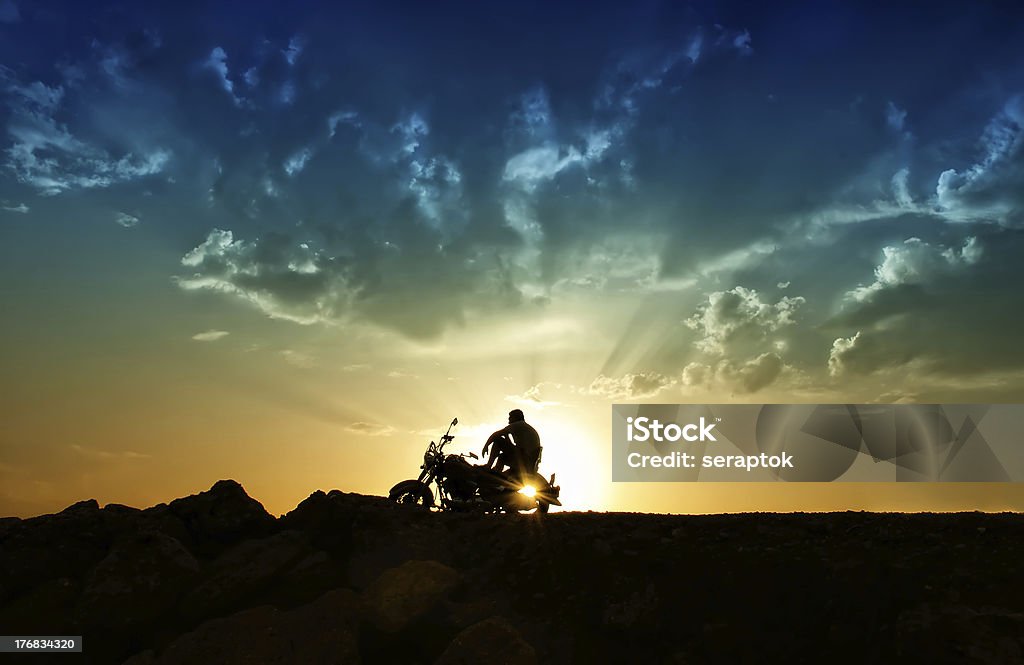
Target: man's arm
[(501, 432)]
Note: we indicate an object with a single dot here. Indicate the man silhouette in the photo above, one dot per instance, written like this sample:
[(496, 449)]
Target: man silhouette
[(522, 453)]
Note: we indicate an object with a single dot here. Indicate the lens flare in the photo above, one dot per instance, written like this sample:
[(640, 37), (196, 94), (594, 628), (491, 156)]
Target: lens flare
[(529, 490)]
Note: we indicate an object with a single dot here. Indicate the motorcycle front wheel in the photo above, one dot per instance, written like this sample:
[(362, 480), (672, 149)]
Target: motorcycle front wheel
[(412, 493)]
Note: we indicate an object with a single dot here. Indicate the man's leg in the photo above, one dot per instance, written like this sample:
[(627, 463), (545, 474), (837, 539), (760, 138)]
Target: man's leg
[(497, 449)]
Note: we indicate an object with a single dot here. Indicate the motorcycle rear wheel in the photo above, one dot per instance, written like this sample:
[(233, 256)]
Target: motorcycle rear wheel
[(412, 493)]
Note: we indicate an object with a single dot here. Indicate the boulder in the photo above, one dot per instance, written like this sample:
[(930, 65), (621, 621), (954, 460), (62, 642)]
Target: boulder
[(137, 584), (215, 519), (67, 545), (403, 595), (322, 632), (490, 642), (242, 575), (940, 633)]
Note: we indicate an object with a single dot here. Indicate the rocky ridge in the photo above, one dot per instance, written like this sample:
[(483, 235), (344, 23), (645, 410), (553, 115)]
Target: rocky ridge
[(346, 578)]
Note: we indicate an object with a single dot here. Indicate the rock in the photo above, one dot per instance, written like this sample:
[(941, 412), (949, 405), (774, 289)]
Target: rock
[(640, 608), (402, 595), (219, 517), (239, 576), (48, 607), (960, 634), (67, 544), (490, 642), (137, 583), (321, 632)]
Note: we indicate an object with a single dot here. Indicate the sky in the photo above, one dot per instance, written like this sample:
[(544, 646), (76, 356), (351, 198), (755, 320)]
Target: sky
[(287, 244)]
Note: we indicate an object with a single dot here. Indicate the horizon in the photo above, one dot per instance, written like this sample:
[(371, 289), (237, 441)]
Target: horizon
[(289, 246)]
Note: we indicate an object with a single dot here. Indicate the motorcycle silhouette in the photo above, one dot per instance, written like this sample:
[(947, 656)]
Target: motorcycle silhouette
[(462, 486)]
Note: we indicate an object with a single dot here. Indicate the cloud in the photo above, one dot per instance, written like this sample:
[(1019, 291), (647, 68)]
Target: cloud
[(743, 377), (297, 161), (632, 386), (210, 335), (895, 117), (740, 314), (843, 350), (370, 429), (917, 262), (284, 280), (411, 131), (251, 77), (539, 164), (106, 454), (534, 396), (934, 313), (218, 63), (294, 50), (20, 208), (298, 359), (47, 156), (126, 220), (754, 374), (437, 186), (341, 117), (286, 94), (990, 189)]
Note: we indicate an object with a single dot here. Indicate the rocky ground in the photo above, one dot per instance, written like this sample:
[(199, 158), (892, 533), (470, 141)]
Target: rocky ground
[(345, 578)]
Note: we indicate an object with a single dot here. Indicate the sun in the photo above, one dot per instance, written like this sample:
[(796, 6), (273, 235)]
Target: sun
[(580, 460)]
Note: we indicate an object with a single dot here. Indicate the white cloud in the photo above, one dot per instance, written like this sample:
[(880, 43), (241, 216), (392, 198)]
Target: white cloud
[(298, 359), (44, 154), (641, 385), (44, 97), (739, 312), (842, 347), (287, 281), (534, 396), (297, 161), (126, 220), (210, 335), (286, 95), (742, 43), (218, 62), (895, 117), (437, 185), (752, 375), (340, 117), (20, 208), (533, 118), (917, 262), (968, 195), (106, 454), (411, 131), (295, 46), (541, 163), (697, 374), (901, 189), (370, 429)]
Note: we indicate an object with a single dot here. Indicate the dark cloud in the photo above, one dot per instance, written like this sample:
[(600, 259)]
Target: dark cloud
[(961, 320)]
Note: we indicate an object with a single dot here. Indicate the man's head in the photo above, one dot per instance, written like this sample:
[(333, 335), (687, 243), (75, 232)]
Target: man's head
[(515, 415)]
